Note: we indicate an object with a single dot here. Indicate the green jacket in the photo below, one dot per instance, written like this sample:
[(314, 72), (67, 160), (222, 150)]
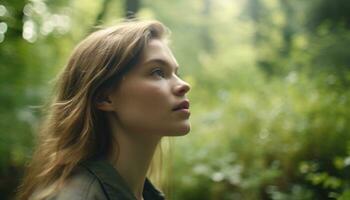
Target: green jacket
[(98, 180)]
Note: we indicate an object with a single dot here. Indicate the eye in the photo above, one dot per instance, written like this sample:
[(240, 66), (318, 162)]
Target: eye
[(158, 72)]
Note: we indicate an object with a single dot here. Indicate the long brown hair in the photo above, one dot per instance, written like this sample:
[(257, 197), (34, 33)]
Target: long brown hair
[(74, 129)]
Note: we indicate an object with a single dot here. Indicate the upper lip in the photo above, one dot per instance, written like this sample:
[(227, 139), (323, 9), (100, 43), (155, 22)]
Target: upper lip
[(183, 105)]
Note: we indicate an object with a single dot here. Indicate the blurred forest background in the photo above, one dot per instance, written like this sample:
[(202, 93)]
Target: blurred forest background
[(270, 90)]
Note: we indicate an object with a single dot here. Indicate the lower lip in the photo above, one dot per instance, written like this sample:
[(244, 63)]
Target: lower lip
[(186, 111)]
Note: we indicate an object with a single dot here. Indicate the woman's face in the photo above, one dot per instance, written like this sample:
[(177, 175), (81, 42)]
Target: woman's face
[(151, 98)]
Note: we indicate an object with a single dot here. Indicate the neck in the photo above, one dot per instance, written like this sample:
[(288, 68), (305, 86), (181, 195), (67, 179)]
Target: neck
[(136, 151)]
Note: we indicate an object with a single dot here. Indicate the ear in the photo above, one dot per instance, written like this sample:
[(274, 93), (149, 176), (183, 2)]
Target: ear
[(104, 102)]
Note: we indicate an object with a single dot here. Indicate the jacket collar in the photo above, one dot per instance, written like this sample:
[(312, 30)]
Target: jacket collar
[(114, 185)]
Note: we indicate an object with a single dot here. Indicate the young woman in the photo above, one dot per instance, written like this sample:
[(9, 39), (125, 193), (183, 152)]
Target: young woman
[(119, 94)]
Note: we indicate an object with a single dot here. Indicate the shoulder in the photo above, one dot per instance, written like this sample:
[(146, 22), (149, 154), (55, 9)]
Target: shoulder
[(81, 185)]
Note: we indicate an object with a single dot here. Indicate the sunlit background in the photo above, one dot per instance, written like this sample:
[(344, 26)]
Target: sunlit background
[(270, 95)]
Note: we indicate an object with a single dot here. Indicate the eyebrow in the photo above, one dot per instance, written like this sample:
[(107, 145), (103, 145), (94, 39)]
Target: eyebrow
[(161, 62)]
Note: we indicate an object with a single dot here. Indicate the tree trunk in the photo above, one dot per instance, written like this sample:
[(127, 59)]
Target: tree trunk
[(102, 13), (208, 43), (131, 8)]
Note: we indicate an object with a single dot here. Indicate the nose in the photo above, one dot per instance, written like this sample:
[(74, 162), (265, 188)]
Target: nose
[(181, 88)]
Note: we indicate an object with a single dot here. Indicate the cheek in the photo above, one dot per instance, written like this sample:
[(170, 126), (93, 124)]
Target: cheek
[(148, 97), (144, 106)]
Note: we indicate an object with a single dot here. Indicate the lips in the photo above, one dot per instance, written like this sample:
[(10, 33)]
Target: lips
[(183, 105)]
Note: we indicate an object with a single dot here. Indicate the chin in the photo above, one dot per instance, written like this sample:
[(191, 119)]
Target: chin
[(183, 130)]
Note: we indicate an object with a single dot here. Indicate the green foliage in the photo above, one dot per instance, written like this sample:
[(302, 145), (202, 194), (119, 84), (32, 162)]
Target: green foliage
[(270, 101), (265, 104)]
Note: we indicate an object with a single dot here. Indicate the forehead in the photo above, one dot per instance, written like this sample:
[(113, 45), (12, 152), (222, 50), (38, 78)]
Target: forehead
[(157, 49)]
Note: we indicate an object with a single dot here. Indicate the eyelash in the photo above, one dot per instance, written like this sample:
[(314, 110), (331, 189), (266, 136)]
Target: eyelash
[(158, 72)]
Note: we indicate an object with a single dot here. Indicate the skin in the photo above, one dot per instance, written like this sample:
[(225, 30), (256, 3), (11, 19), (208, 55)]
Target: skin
[(141, 111)]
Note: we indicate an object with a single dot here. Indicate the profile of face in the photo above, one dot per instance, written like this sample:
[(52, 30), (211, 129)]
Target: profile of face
[(151, 97)]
